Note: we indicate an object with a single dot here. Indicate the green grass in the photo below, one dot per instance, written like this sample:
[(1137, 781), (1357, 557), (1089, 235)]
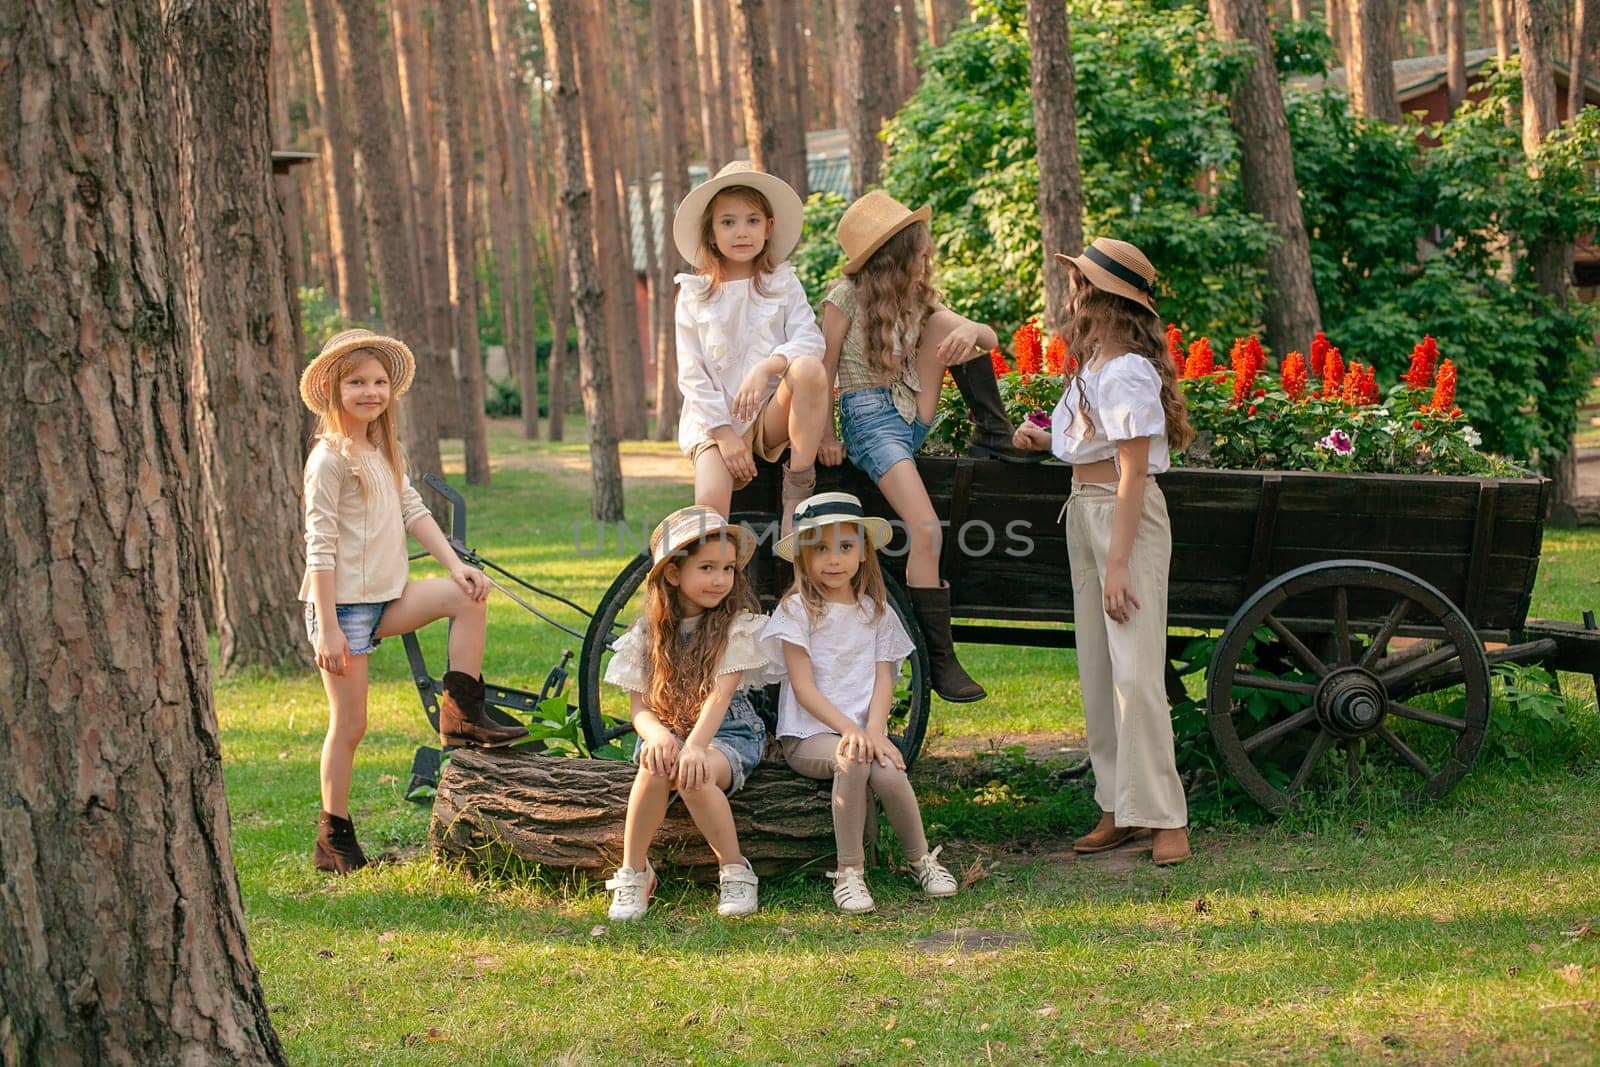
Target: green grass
[(1349, 933)]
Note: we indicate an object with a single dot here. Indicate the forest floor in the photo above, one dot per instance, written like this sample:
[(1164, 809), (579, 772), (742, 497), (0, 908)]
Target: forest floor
[(1353, 931)]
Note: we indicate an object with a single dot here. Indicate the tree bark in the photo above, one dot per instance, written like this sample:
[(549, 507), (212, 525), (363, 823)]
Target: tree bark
[(501, 235), (453, 39), (344, 225), (727, 76), (560, 22), (930, 14), (906, 75), (636, 181), (866, 85), (789, 53), (1585, 30), (1434, 24), (1056, 138), (714, 125), (671, 118), (1456, 52), (291, 205), (1267, 174), (776, 146), (122, 935), (1371, 59), (1337, 18)]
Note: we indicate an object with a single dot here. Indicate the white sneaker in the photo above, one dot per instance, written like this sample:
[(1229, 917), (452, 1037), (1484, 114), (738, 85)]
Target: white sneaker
[(932, 876), (737, 889), (630, 893), (850, 891)]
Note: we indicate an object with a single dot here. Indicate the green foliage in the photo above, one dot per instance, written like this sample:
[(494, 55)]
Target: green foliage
[(557, 729), (819, 259), (502, 399), (1004, 793), (320, 319), (1532, 721)]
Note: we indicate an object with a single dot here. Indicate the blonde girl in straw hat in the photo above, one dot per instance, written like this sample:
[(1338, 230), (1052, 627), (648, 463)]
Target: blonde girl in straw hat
[(688, 665), (359, 507), (749, 353), (1118, 420)]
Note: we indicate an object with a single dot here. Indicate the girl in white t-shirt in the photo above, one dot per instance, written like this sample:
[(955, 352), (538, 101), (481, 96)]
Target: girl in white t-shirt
[(1118, 419), (840, 647), (749, 352)]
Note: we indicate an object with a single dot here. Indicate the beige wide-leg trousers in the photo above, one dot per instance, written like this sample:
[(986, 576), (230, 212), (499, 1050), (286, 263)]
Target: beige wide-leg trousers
[(1122, 665)]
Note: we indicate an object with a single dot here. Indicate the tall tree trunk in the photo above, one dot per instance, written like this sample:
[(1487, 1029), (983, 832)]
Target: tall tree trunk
[(1266, 167), (727, 72), (291, 205), (674, 132), (1371, 59), (1337, 19), (559, 284), (906, 75), (1055, 128), (122, 935), (344, 225), (866, 84), (789, 49), (635, 182), (930, 15), (826, 51), (452, 41), (714, 125), (500, 235), (561, 24), (1585, 30), (560, 356), (1435, 26), (1456, 52), (776, 146)]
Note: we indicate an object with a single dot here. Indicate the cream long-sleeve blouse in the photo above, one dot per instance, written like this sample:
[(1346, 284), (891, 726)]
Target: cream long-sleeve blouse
[(721, 337), (360, 537)]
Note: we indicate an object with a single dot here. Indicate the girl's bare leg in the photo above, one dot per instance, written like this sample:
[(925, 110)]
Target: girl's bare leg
[(709, 808), (347, 724), (713, 484), (429, 599), (798, 412), (902, 487), (647, 806)]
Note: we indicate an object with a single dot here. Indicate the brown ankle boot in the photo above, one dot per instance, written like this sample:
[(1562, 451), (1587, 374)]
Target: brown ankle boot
[(337, 850), (991, 429), (1107, 835), (463, 719), (1170, 846), (797, 485), (950, 679)]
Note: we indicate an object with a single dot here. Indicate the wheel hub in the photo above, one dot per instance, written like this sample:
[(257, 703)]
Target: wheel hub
[(1351, 702)]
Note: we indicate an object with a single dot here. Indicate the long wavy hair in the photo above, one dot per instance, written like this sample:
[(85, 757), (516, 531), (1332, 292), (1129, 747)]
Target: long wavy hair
[(866, 585), (1102, 322), (894, 296), (383, 432), (682, 675), (712, 265)]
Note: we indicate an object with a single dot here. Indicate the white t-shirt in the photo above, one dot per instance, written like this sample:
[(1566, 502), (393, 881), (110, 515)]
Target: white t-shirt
[(629, 667), (1124, 395), (845, 649), (721, 337)]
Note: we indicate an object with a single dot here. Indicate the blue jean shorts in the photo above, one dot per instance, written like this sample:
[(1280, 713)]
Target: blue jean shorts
[(875, 435), (358, 621), (742, 738)]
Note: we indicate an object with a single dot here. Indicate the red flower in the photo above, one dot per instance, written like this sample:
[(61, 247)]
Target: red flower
[(1332, 373), (1455, 413), (1369, 386), (1416, 424), (1202, 361), (1350, 390), (1444, 389), (1055, 357), (1025, 379), (998, 360), (1030, 353), (1174, 346), (1424, 358), (1319, 354), (1244, 370), (1292, 375), (1252, 410), (1071, 367)]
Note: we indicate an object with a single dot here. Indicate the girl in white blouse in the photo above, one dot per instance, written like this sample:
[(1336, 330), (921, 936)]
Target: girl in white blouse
[(749, 352), (838, 648), (1118, 418)]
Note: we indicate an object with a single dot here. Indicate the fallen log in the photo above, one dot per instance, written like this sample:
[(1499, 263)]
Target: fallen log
[(567, 815)]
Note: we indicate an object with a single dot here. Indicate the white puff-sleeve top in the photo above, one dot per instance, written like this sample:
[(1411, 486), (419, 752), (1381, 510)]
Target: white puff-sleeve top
[(845, 647), (629, 667), (1124, 395), (721, 336)]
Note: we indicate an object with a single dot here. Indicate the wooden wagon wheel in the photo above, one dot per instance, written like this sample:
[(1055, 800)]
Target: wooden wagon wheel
[(1352, 687), (605, 709)]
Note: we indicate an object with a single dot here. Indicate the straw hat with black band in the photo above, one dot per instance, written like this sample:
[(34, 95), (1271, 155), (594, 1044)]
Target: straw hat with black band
[(1117, 267), (316, 381), (788, 213), (690, 525), (867, 225), (831, 509)]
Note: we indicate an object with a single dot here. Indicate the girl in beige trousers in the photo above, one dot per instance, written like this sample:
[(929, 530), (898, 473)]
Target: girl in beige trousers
[(1118, 419)]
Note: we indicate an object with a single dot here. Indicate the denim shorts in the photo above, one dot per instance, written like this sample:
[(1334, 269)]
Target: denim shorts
[(875, 435), (358, 621), (742, 738)]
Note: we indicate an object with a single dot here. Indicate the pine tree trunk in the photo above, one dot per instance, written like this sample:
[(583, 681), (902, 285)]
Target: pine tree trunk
[(453, 39), (866, 84), (344, 224), (1267, 174), (560, 355), (906, 53), (1585, 30), (789, 53), (1434, 24), (122, 935), (1456, 52), (930, 15), (776, 146), (674, 132), (1337, 19), (1055, 127), (500, 234), (291, 204), (726, 41), (1371, 59), (561, 24), (713, 101)]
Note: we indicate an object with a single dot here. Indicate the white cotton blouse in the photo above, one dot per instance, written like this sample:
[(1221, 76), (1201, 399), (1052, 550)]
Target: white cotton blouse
[(721, 337), (845, 649), (359, 536), (1124, 395), (629, 667)]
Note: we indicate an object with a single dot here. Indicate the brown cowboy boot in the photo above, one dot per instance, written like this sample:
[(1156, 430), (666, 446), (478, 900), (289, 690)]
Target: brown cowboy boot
[(337, 850), (463, 721), (950, 679), (1170, 846), (992, 429), (797, 485), (1107, 835)]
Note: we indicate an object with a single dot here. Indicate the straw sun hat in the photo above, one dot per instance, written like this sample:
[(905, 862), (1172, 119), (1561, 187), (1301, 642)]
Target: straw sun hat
[(1117, 267), (831, 509), (869, 222), (316, 381), (788, 212), (697, 522)]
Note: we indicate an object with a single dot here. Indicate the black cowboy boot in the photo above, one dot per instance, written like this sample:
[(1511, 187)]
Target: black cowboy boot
[(463, 719), (950, 679), (991, 432), (337, 851)]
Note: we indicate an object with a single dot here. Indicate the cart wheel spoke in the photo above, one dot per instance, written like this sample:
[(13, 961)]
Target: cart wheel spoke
[(611, 733), (1277, 685), (1352, 761), (1278, 729), (1397, 677), (1297, 646), (1313, 757), (1380, 640), (1417, 763), (1432, 718), (1341, 624)]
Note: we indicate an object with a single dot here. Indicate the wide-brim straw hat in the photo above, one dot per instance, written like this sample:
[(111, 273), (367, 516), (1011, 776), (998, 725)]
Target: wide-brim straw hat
[(788, 213), (1117, 267), (693, 524), (871, 221), (831, 509), (316, 381)]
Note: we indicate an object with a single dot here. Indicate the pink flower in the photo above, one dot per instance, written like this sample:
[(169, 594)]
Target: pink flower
[(1039, 419), (1338, 441)]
